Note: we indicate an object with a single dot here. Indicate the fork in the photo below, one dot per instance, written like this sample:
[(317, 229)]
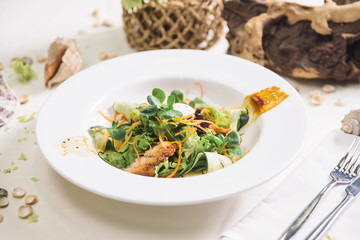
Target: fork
[(343, 173)]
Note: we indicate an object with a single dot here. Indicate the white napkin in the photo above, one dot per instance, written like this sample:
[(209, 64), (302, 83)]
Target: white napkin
[(273, 215)]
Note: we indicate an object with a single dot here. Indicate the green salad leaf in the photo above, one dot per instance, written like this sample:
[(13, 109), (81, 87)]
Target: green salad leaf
[(206, 139)]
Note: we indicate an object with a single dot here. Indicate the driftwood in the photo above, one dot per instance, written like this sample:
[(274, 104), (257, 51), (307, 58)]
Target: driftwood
[(303, 42)]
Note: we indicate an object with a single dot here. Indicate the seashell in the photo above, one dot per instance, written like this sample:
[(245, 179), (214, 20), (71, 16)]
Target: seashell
[(313, 93), (317, 99), (103, 56), (63, 61), (351, 122), (18, 192), (25, 211), (328, 88), (31, 199), (8, 102), (3, 192), (339, 102), (4, 201)]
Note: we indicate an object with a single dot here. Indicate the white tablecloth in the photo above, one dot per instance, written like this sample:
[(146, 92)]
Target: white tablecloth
[(273, 215), (67, 212)]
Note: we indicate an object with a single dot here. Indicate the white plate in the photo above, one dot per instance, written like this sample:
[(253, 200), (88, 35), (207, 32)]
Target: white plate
[(275, 139)]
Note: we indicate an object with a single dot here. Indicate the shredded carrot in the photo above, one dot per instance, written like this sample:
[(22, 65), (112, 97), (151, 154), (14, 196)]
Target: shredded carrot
[(178, 162), (137, 153), (135, 124), (233, 107), (192, 121), (173, 124), (132, 114), (207, 111), (232, 159), (161, 141), (121, 122), (157, 119), (120, 116), (106, 117), (187, 136), (125, 142), (235, 159), (203, 129), (210, 106), (184, 131), (104, 144), (186, 99), (246, 152), (187, 116), (201, 89)]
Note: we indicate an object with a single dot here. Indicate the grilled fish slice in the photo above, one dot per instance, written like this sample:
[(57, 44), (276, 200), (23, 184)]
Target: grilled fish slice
[(152, 157), (262, 101)]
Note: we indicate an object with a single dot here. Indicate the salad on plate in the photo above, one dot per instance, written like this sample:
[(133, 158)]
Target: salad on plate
[(174, 136)]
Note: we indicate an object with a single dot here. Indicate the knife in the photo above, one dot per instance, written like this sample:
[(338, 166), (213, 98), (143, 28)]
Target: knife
[(352, 191)]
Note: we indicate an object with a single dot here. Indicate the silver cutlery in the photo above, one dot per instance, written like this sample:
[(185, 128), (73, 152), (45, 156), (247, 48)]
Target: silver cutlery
[(352, 191), (344, 173)]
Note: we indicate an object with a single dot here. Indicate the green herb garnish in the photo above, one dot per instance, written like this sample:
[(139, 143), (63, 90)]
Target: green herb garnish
[(130, 4), (23, 70), (25, 118), (22, 157), (33, 218), (34, 179)]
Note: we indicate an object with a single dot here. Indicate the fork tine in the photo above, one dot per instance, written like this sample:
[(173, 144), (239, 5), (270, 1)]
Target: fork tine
[(349, 165), (343, 159), (357, 168)]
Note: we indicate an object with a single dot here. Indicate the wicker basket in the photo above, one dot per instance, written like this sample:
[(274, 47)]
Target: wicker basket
[(185, 24)]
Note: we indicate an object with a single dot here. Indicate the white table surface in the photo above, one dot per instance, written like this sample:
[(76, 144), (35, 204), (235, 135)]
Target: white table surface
[(68, 212)]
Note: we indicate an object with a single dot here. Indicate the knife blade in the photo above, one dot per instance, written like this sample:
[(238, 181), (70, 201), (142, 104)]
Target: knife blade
[(352, 190), (354, 187)]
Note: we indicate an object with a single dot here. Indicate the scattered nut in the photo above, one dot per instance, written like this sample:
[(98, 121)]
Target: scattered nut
[(107, 24), (339, 102), (27, 60), (31, 199), (18, 192), (3, 192), (327, 88), (1, 218), (314, 92), (13, 59), (1, 66), (111, 56), (82, 32), (103, 55), (98, 24), (25, 211), (96, 14), (4, 201), (24, 99), (41, 59), (317, 99)]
